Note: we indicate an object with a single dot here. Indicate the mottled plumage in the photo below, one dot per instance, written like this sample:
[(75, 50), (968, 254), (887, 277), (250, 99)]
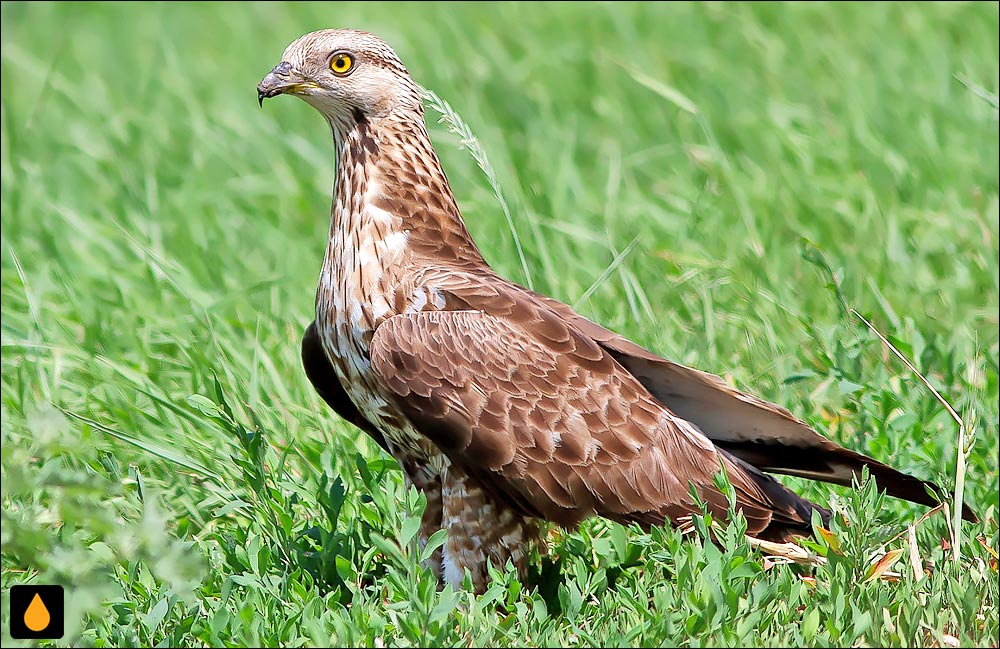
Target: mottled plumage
[(504, 406)]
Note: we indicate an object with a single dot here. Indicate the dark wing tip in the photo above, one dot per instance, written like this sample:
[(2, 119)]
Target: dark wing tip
[(837, 465)]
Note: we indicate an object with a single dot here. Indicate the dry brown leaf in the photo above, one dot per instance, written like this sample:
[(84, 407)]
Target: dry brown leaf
[(831, 539), (881, 567)]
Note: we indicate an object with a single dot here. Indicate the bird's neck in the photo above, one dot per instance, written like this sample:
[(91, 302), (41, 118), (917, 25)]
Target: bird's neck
[(393, 215), (388, 174)]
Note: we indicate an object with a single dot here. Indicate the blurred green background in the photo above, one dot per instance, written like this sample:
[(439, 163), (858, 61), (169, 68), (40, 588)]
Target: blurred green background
[(698, 177)]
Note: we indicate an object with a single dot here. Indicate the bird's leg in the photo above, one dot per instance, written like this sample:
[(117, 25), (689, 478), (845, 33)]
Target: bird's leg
[(480, 530)]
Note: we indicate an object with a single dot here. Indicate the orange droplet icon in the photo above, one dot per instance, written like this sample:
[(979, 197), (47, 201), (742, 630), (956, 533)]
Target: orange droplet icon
[(36, 617)]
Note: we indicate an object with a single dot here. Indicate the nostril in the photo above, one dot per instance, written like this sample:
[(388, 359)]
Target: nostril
[(282, 68)]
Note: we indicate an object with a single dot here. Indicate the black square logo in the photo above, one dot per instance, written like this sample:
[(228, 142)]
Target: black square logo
[(36, 612)]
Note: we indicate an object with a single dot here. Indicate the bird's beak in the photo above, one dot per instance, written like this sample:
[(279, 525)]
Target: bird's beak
[(281, 80)]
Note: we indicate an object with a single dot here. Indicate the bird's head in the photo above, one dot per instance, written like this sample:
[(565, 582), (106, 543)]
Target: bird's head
[(343, 73)]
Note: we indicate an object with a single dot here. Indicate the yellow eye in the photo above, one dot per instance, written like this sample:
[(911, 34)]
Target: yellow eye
[(342, 63)]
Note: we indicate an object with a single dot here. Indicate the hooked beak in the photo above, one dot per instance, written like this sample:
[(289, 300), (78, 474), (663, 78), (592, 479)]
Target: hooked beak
[(281, 80)]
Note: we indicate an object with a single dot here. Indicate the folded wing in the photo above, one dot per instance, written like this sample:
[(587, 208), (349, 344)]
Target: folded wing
[(761, 433), (549, 422)]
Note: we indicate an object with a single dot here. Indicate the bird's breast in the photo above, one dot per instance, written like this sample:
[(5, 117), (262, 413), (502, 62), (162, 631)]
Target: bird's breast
[(362, 284)]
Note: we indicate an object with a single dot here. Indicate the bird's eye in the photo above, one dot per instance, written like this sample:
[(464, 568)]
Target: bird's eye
[(342, 63)]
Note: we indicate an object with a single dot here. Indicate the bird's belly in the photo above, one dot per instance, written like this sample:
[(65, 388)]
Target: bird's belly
[(347, 348)]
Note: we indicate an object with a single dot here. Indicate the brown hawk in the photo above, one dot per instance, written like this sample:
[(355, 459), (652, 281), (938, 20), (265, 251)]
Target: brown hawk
[(502, 405)]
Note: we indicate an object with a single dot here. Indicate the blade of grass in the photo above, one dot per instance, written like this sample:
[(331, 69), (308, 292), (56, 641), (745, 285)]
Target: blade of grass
[(615, 263), (960, 462), (470, 142), (149, 447)]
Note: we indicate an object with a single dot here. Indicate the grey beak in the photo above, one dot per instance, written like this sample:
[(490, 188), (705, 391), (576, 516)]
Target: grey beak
[(277, 81)]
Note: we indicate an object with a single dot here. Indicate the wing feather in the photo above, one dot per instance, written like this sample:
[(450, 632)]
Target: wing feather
[(758, 432), (552, 420)]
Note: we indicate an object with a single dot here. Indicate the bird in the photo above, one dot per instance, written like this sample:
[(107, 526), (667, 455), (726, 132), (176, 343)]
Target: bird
[(503, 406)]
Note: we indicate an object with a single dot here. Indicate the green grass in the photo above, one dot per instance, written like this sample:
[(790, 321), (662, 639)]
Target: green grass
[(165, 458)]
